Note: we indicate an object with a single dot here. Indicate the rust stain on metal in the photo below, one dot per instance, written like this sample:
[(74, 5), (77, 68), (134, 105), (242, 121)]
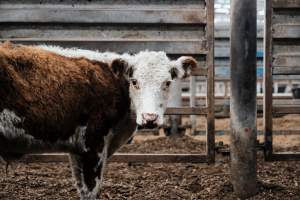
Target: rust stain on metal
[(247, 130)]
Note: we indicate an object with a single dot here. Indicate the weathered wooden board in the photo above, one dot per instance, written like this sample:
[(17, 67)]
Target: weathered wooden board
[(287, 60), (286, 64), (284, 47), (259, 132), (221, 103), (102, 31), (286, 4), (286, 70), (285, 16), (186, 111), (282, 50), (160, 158), (287, 109), (222, 47), (124, 157), (93, 15), (285, 156), (285, 35), (128, 45), (200, 71), (110, 3), (210, 85), (286, 31)]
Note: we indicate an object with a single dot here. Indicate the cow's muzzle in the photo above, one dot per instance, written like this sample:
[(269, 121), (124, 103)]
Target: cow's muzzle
[(149, 120)]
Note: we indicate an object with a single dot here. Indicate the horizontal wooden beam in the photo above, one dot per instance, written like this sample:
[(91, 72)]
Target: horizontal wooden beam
[(276, 78), (284, 156), (286, 70), (151, 158), (259, 132), (286, 4), (103, 3), (287, 59), (45, 158), (102, 31), (286, 31), (101, 15), (288, 99), (286, 63), (124, 45), (124, 157), (222, 102), (160, 158), (288, 109), (200, 71), (186, 111)]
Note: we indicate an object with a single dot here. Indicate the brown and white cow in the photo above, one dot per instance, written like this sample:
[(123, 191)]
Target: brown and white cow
[(150, 74), (54, 102)]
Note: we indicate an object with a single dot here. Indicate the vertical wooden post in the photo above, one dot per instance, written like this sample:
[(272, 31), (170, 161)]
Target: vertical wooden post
[(210, 98), (175, 101), (193, 103), (243, 97), (268, 82), (226, 89)]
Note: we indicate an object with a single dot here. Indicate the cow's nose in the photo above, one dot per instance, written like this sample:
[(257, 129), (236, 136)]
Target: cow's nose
[(149, 120), (151, 117)]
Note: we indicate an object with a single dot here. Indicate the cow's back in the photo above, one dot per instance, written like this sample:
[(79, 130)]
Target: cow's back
[(53, 94)]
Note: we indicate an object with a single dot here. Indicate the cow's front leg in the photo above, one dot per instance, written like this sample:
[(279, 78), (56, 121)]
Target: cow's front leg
[(87, 174), (88, 169)]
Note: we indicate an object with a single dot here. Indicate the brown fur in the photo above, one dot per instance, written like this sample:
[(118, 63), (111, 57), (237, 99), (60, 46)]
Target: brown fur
[(56, 94)]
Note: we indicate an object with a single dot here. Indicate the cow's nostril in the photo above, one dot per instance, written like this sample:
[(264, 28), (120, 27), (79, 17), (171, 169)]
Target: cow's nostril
[(150, 124), (149, 117)]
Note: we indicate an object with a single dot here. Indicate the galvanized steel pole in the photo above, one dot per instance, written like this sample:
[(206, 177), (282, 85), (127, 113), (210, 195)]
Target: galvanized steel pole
[(243, 97)]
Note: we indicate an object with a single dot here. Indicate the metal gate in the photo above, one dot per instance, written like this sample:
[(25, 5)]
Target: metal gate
[(282, 58), (174, 26)]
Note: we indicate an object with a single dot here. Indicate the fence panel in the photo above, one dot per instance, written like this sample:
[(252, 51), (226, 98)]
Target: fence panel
[(174, 26), (282, 57)]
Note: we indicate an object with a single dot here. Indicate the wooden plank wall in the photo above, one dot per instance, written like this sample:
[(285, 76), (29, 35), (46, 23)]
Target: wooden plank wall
[(286, 37), (282, 58), (174, 26)]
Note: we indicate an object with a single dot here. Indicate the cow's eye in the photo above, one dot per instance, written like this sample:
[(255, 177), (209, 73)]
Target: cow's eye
[(168, 83), (134, 82)]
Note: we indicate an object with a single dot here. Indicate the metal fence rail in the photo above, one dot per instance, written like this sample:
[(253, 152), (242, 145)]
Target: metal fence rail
[(174, 26), (282, 57)]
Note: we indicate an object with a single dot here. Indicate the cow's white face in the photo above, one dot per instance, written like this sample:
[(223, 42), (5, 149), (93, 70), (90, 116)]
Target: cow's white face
[(150, 75)]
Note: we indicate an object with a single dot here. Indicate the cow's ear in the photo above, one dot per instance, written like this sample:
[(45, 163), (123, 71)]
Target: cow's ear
[(121, 67), (183, 67)]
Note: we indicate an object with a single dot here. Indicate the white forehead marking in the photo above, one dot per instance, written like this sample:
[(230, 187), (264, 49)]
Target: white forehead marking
[(151, 67)]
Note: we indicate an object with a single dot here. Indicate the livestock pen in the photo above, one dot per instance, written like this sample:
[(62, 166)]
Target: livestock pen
[(124, 26), (162, 167)]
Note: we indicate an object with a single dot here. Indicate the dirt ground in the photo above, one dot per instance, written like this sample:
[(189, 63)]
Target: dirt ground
[(139, 181)]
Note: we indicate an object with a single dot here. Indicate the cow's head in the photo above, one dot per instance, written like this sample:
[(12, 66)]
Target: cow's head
[(150, 75)]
